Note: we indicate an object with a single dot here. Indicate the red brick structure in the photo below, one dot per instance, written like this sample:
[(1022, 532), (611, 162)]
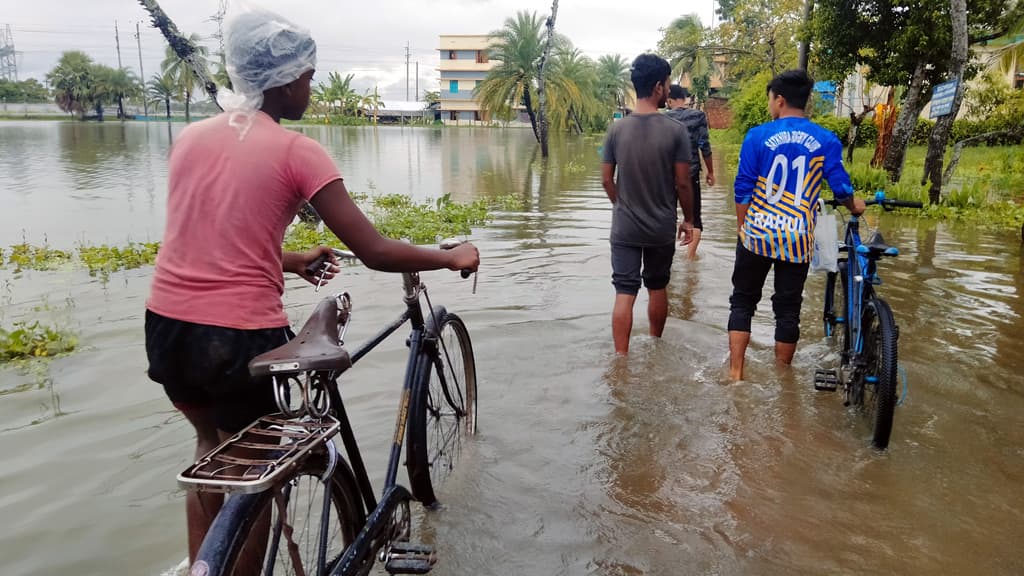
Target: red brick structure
[(719, 114)]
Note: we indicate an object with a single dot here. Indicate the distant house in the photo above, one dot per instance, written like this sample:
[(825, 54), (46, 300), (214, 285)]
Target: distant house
[(397, 111), (464, 63)]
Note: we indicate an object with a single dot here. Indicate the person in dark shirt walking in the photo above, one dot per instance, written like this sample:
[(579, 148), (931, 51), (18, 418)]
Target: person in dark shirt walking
[(696, 122), (646, 172)]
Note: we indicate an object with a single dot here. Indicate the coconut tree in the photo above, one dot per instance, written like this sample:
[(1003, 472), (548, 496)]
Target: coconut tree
[(181, 71), (613, 83), (572, 88), (160, 89), (510, 84), (685, 46)]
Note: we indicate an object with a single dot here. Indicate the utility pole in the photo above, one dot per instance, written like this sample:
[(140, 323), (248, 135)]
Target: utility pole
[(120, 67), (417, 93), (145, 101), (8, 55), (406, 70)]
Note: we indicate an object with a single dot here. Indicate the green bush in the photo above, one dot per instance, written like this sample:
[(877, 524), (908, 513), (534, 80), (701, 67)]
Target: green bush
[(866, 134), (749, 104)]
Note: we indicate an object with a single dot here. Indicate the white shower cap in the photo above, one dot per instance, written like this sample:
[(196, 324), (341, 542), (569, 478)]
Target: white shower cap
[(263, 50)]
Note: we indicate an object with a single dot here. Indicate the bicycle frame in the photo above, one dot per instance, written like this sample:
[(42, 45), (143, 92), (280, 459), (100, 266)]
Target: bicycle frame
[(380, 514), (860, 275)]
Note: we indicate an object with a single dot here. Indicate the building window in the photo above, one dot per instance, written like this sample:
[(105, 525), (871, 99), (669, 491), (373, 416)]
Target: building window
[(1019, 83), (453, 55), (453, 115), (453, 86), (481, 56)]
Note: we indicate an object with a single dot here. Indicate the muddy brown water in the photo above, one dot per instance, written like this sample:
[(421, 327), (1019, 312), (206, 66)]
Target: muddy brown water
[(583, 465)]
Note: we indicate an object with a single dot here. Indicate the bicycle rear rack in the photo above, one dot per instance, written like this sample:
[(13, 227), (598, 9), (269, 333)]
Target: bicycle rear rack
[(253, 460)]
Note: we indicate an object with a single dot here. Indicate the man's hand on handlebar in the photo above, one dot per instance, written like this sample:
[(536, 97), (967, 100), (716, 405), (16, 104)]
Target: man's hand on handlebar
[(856, 205), (301, 263), (464, 257)]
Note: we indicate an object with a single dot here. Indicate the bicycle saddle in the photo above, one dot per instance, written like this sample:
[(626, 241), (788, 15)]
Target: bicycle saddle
[(876, 247), (314, 348)]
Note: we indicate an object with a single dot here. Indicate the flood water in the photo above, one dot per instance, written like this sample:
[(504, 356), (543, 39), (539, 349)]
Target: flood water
[(583, 464)]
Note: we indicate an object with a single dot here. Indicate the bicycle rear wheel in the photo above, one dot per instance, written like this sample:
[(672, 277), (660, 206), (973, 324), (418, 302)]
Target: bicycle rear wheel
[(252, 535), (443, 410), (880, 355)]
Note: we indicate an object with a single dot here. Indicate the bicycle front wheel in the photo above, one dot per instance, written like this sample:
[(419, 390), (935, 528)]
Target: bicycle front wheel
[(443, 411), (880, 377), (280, 531)]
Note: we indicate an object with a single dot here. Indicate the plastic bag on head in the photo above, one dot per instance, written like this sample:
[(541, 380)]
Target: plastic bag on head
[(262, 50)]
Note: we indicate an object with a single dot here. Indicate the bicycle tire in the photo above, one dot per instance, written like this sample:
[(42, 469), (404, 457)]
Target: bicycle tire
[(443, 409), (880, 354), (229, 535)]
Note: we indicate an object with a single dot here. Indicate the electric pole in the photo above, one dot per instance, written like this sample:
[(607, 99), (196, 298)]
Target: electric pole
[(120, 67), (417, 93), (407, 71), (145, 101), (8, 56)]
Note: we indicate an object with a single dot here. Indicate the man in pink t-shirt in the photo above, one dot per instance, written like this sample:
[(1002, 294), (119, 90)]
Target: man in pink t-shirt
[(236, 181)]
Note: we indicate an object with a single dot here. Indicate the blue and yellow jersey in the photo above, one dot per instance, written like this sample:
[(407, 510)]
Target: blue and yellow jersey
[(781, 167)]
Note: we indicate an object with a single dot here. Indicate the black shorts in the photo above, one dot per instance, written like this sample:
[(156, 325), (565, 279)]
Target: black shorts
[(626, 269), (202, 365), (748, 276), (697, 222)]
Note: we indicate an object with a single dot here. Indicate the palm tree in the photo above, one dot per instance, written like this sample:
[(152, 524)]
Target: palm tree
[(518, 46), (614, 84), (684, 45), (122, 83), (371, 102), (160, 89), (72, 81), (184, 77), (572, 88), (432, 96)]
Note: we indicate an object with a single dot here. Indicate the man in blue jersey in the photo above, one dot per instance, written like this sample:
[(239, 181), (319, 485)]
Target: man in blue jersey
[(781, 167), (646, 172)]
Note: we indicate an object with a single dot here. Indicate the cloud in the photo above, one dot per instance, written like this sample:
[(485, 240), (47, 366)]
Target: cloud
[(366, 39)]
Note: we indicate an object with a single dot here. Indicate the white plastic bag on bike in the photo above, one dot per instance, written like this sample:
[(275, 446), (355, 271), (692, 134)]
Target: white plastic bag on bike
[(826, 243)]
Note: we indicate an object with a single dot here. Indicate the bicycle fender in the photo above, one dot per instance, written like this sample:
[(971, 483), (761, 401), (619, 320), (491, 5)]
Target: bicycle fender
[(438, 314)]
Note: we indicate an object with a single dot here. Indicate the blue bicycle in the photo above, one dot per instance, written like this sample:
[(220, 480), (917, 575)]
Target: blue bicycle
[(864, 321)]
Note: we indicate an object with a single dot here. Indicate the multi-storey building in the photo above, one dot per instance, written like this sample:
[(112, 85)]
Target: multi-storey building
[(464, 64)]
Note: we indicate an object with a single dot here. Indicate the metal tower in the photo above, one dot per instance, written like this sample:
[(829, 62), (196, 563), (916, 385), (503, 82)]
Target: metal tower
[(8, 57)]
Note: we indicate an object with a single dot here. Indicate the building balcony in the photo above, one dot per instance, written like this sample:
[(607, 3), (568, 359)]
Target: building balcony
[(465, 66), (460, 95)]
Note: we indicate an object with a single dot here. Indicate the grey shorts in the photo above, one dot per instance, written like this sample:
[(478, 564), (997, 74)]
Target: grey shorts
[(630, 264)]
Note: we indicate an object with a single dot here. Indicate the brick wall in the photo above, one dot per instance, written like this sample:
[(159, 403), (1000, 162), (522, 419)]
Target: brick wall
[(719, 114)]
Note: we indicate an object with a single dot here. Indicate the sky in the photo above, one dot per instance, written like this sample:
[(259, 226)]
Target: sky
[(367, 39)]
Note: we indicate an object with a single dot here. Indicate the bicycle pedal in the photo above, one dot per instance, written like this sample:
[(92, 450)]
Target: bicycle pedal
[(409, 558), (826, 380)]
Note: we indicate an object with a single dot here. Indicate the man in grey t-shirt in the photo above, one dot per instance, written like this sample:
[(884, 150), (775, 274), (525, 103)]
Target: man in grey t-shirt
[(652, 158)]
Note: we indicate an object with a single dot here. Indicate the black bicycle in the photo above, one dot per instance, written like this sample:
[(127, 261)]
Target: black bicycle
[(865, 325), (299, 507)]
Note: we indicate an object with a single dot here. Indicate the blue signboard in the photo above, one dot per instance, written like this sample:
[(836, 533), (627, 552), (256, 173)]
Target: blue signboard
[(942, 99)]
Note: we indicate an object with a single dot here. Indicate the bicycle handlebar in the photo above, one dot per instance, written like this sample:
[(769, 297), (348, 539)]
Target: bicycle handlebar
[(881, 200), (317, 265)]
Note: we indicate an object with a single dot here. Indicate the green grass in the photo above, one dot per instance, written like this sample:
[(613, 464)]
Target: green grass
[(396, 216), (987, 188)]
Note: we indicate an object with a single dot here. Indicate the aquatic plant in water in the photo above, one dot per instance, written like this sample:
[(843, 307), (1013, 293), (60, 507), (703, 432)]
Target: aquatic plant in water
[(34, 340)]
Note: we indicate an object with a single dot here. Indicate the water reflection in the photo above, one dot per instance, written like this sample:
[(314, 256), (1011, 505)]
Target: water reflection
[(584, 465)]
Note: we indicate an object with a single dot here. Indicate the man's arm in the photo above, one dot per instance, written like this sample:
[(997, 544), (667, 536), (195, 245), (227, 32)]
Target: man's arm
[(608, 181), (704, 143), (684, 193), (351, 226), (839, 180), (746, 179), (741, 216)]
